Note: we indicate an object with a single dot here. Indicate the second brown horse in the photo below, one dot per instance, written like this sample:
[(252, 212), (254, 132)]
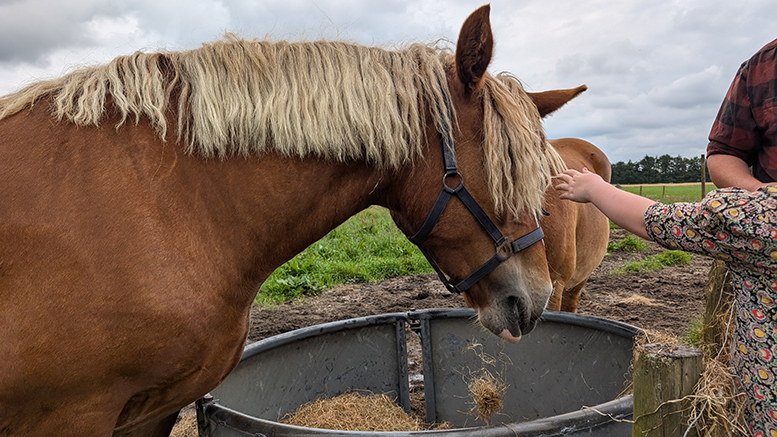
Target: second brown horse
[(576, 234)]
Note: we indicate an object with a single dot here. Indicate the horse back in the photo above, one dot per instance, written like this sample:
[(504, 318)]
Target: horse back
[(579, 153)]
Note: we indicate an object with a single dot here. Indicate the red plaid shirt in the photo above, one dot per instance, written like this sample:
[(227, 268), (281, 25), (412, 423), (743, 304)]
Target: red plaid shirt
[(746, 125)]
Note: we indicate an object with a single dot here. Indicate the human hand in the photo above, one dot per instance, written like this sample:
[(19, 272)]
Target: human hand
[(578, 186)]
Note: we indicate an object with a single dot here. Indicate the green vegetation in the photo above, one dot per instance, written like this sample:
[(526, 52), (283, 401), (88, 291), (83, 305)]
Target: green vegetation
[(695, 334), (628, 243), (366, 248), (656, 262)]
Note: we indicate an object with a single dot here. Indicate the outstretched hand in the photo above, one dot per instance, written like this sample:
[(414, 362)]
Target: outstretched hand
[(625, 209), (578, 186)]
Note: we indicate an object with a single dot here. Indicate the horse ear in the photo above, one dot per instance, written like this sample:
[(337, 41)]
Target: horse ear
[(474, 48), (549, 101)]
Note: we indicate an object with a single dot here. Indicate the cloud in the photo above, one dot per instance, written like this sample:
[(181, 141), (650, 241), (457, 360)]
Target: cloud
[(692, 90), (30, 29)]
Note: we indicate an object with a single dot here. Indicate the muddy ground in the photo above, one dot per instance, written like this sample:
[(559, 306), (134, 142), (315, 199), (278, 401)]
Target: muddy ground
[(668, 300)]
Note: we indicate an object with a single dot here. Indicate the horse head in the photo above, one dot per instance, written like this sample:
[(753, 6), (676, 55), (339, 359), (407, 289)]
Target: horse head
[(503, 166)]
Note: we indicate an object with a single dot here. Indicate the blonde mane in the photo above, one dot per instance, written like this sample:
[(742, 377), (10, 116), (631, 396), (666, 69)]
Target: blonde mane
[(332, 100)]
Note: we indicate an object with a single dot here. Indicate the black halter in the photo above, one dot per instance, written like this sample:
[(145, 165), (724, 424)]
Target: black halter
[(505, 247)]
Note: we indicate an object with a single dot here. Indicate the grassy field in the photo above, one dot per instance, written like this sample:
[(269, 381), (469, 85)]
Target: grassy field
[(366, 248), (670, 193)]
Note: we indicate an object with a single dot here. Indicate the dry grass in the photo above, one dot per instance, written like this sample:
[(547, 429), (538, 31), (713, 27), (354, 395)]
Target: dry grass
[(187, 427), (637, 299), (487, 392), (649, 336), (716, 402), (486, 388), (354, 411), (718, 405)]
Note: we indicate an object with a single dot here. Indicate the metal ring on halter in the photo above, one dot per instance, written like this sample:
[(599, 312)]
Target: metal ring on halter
[(458, 187)]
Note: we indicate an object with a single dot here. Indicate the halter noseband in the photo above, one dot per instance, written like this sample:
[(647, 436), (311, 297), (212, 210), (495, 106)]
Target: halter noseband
[(505, 247)]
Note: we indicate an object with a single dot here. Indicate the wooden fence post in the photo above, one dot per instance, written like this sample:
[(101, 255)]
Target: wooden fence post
[(663, 374), (703, 176), (718, 295)]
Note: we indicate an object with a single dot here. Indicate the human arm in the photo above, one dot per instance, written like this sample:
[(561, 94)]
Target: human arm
[(625, 209), (731, 171), (741, 128)]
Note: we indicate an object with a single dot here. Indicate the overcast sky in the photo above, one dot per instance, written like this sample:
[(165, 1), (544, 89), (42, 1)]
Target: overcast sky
[(657, 70)]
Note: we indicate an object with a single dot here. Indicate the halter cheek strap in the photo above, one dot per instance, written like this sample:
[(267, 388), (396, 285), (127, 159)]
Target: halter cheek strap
[(505, 247)]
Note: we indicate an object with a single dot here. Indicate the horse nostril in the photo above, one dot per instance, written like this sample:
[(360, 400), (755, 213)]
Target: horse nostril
[(517, 308), (513, 302), (514, 306)]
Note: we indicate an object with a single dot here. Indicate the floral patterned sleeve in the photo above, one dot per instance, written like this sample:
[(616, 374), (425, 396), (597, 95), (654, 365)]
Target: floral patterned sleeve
[(731, 224)]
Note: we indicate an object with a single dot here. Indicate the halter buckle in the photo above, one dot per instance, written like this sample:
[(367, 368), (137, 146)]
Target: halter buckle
[(505, 250)]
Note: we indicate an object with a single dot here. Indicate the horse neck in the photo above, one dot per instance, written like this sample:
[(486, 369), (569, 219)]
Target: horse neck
[(268, 209)]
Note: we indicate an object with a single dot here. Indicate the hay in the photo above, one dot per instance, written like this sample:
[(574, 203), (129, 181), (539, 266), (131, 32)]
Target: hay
[(649, 336), (487, 392), (637, 299), (716, 403), (186, 427), (354, 411), (485, 387)]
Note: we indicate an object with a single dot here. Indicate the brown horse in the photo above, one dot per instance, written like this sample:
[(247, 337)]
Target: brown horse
[(576, 234), (144, 202)]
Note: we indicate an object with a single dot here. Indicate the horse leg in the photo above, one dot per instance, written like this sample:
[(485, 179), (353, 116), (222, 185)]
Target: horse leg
[(554, 303), (162, 428), (571, 297)]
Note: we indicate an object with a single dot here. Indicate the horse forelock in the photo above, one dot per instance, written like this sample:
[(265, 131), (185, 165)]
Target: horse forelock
[(519, 161), (328, 99)]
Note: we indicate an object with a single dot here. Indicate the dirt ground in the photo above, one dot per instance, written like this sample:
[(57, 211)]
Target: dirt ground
[(668, 300)]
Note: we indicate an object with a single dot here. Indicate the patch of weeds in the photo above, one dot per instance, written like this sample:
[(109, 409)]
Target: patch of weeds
[(695, 334), (656, 262), (628, 243)]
